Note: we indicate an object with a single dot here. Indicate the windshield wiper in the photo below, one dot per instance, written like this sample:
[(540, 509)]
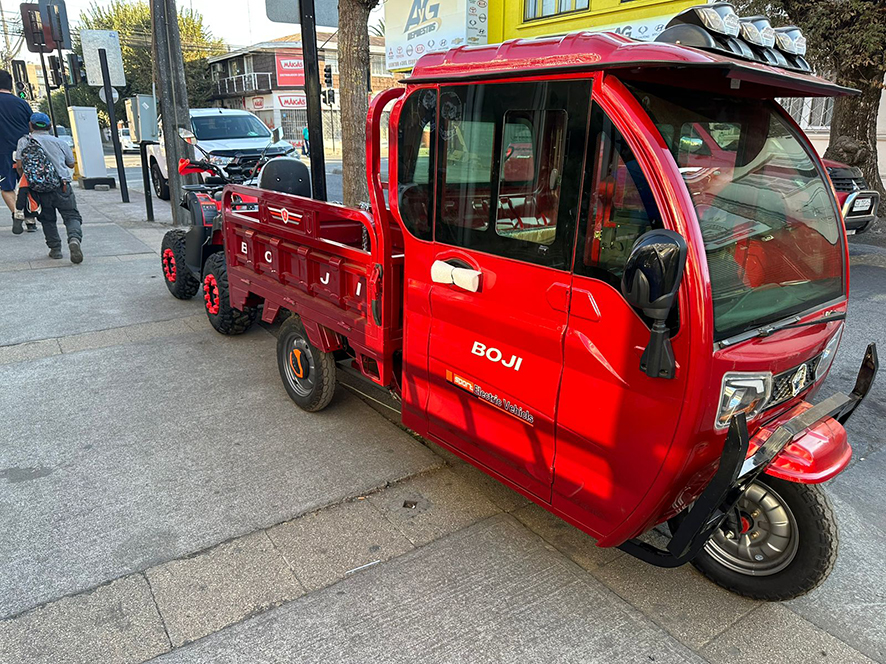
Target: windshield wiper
[(766, 330)]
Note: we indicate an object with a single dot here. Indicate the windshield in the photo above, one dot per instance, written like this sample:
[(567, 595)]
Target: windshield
[(771, 233), (223, 126)]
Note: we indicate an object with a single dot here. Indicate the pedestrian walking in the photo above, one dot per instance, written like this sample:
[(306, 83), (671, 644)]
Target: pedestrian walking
[(306, 145), (14, 115), (46, 163)]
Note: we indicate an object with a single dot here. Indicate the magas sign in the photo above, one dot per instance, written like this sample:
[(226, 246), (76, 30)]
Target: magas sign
[(292, 101), (290, 69)]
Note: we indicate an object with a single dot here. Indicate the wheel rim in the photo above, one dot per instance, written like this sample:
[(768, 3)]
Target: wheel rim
[(769, 537), (155, 179), (169, 269), (210, 294), (300, 367)]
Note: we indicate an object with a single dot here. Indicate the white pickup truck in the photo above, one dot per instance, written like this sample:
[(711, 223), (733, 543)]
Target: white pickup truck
[(233, 139)]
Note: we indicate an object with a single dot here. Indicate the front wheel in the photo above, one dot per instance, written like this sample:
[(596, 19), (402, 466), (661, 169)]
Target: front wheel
[(786, 547), (307, 372), (179, 280), (224, 318)]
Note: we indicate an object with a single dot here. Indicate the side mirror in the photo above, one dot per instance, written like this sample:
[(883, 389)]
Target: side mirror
[(187, 136), (650, 282), (277, 134)]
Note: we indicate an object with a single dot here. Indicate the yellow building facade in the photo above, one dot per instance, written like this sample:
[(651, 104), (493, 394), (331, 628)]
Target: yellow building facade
[(526, 19)]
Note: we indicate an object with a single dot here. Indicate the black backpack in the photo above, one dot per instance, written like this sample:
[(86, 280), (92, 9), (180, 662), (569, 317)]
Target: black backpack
[(38, 169)]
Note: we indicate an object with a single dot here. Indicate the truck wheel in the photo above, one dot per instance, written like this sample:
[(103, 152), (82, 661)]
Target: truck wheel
[(161, 184), (216, 298), (307, 373), (787, 545), (179, 280)]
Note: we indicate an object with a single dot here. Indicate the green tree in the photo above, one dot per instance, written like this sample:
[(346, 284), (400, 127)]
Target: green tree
[(132, 20), (847, 40)]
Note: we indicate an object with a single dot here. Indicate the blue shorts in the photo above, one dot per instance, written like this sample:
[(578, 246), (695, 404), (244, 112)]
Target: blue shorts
[(7, 173)]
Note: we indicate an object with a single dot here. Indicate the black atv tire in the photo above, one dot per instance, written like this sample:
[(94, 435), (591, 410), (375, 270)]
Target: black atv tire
[(217, 302), (161, 184), (179, 280), (807, 525), (313, 389)]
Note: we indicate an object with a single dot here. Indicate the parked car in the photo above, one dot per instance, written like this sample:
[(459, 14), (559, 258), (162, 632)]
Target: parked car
[(628, 329), (233, 139), (65, 134), (858, 202), (126, 143)]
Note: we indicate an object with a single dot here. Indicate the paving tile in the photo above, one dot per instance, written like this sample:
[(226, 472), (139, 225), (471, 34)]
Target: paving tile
[(90, 340), (113, 624), (162, 328), (202, 594), (33, 350), (430, 506), (505, 498), (773, 634), (15, 266), (680, 599), (323, 547), (572, 542)]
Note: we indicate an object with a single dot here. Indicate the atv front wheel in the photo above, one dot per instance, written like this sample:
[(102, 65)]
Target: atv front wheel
[(307, 372), (179, 280), (786, 545), (217, 302)]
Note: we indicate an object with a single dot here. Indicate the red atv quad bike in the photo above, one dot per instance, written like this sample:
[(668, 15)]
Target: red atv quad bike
[(193, 258)]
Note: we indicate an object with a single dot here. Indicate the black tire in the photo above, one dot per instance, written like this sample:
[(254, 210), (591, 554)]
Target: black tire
[(813, 537), (161, 184), (179, 280), (313, 390), (217, 302)]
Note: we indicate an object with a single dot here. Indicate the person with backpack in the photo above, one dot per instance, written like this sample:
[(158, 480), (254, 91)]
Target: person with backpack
[(14, 114), (46, 162)]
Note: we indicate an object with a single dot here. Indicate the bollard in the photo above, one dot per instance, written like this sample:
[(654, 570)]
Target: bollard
[(146, 178)]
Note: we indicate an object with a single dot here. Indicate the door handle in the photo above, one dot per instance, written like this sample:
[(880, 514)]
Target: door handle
[(584, 306), (466, 279)]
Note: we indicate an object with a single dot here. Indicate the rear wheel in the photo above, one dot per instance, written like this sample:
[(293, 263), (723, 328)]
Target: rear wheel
[(786, 547), (179, 280), (217, 302), (161, 184), (307, 372)]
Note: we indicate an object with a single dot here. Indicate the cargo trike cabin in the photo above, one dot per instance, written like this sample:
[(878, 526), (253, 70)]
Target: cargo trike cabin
[(611, 274)]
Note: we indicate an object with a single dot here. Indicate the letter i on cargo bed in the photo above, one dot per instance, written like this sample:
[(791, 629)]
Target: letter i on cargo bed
[(610, 274)]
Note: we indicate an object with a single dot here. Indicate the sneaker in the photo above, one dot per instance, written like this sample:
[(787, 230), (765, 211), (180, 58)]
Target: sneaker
[(76, 252), (17, 225), (31, 228), (55, 253)]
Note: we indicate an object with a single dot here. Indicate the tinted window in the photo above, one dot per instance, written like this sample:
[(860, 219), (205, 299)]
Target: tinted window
[(621, 205), (223, 126), (511, 169), (416, 145)]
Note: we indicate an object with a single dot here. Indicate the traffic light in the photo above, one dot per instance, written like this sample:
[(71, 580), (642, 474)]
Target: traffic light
[(327, 75), (20, 76), (76, 69), (330, 97), (38, 37), (55, 73)]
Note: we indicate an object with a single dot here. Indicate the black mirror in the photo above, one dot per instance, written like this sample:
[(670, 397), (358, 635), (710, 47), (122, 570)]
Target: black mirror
[(650, 282)]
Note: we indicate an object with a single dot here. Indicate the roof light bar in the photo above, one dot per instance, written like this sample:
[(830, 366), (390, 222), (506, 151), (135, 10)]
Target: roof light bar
[(758, 31), (790, 40), (719, 17)]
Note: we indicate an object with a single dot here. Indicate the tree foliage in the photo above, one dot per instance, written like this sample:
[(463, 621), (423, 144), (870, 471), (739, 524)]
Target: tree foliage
[(132, 20), (846, 42)]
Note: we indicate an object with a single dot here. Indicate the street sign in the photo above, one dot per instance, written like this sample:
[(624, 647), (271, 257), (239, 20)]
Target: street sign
[(92, 41), (54, 15), (114, 94), (38, 37), (288, 11)]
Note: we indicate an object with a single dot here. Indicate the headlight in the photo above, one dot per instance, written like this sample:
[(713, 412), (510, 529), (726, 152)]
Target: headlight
[(790, 40), (720, 18), (827, 355), (743, 393), (220, 161), (757, 30)]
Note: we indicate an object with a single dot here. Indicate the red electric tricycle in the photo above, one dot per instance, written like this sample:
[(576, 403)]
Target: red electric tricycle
[(630, 326)]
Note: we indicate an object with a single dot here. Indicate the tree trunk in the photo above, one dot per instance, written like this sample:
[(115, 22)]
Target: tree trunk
[(353, 67), (853, 137)]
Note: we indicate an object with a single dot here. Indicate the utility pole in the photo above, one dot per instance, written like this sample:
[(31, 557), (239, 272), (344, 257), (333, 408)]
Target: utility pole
[(169, 73)]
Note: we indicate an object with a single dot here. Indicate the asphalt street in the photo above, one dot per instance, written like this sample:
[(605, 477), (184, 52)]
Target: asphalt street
[(161, 498)]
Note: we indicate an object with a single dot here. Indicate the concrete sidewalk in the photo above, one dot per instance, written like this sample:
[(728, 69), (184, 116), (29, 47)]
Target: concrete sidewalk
[(161, 498)]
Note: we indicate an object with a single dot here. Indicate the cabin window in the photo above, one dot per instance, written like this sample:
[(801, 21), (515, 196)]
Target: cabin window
[(621, 204), (416, 146), (505, 185)]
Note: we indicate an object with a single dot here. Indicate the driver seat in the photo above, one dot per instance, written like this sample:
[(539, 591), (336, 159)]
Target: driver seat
[(287, 175)]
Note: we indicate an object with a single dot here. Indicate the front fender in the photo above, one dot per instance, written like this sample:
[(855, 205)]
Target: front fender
[(819, 454)]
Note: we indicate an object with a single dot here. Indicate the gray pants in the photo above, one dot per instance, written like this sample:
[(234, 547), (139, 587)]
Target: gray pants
[(61, 201)]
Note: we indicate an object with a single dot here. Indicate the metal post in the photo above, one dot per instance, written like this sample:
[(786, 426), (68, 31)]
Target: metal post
[(115, 137), (64, 74), (48, 94), (146, 178), (312, 91)]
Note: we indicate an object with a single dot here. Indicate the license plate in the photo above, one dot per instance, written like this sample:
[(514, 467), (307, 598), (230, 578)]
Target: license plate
[(862, 205)]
